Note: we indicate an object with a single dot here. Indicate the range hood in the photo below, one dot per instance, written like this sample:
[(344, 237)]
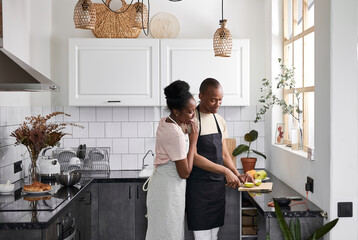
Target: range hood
[(16, 75)]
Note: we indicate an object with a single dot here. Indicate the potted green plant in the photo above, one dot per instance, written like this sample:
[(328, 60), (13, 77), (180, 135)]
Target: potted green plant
[(248, 163), (293, 231)]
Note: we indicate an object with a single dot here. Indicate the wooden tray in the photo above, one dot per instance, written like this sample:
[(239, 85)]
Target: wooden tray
[(264, 187)]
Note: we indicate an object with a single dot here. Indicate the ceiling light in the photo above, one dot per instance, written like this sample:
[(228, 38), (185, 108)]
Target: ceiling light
[(84, 15), (222, 38)]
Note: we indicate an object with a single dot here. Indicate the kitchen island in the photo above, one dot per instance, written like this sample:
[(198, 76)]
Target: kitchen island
[(112, 206)]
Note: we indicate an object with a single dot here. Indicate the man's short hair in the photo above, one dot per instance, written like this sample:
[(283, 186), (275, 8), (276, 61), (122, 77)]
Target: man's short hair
[(209, 82)]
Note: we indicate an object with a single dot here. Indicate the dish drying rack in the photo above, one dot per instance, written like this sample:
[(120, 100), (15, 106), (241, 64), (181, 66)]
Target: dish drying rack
[(95, 162)]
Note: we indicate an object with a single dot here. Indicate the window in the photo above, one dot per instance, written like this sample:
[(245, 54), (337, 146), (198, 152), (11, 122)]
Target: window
[(298, 51)]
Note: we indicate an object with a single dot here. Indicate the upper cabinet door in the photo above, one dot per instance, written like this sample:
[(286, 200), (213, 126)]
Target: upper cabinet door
[(193, 60), (114, 72)]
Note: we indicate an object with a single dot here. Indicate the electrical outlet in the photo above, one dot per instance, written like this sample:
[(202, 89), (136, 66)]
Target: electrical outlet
[(309, 184), (17, 166)]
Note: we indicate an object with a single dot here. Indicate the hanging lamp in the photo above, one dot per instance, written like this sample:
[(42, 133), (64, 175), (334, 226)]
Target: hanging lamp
[(222, 38), (140, 16), (84, 15)]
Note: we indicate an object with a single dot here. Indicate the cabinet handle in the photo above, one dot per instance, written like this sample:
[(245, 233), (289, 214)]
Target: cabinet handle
[(130, 192), (137, 192), (118, 101)]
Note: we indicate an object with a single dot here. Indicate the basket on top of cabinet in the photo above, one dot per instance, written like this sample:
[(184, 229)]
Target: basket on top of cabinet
[(89, 159)]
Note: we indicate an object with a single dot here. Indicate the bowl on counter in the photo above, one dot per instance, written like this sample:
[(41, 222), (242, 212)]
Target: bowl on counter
[(68, 178), (6, 187)]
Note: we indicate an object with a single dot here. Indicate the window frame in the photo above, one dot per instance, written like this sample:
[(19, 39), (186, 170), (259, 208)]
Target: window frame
[(287, 40)]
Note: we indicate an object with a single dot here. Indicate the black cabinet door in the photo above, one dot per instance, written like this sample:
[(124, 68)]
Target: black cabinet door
[(231, 228), (140, 212), (116, 211)]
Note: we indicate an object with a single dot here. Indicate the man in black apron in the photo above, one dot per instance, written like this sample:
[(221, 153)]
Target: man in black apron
[(205, 193)]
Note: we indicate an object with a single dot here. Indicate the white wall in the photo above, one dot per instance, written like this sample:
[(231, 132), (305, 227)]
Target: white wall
[(198, 19), (335, 117)]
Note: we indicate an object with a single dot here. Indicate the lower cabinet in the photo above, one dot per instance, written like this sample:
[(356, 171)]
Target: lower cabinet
[(231, 228), (121, 211)]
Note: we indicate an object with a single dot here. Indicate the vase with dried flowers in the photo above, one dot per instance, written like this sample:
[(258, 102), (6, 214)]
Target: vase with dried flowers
[(37, 133)]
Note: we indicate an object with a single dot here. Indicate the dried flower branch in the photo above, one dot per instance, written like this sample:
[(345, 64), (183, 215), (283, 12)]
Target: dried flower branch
[(36, 133)]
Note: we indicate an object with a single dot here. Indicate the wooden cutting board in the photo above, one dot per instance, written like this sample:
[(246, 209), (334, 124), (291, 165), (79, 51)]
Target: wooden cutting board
[(264, 187), (231, 145)]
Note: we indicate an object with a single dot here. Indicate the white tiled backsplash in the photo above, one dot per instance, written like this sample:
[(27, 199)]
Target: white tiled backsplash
[(128, 131)]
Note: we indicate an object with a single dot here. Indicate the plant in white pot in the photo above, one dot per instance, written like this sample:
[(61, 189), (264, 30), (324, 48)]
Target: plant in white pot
[(248, 163)]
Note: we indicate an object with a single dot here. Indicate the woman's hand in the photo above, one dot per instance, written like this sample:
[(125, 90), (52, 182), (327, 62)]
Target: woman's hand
[(193, 133)]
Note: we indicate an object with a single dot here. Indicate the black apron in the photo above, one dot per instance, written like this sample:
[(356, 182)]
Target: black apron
[(205, 191)]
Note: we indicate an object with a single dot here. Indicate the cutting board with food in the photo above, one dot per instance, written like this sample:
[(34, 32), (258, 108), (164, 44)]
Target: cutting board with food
[(263, 187)]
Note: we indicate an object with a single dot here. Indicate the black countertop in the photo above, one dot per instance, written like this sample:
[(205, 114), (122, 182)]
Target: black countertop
[(280, 189), (24, 219)]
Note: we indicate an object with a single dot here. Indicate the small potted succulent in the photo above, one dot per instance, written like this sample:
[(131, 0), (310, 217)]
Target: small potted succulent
[(248, 163)]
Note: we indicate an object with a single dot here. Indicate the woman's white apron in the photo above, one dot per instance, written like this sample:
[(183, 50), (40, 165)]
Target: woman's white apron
[(166, 204)]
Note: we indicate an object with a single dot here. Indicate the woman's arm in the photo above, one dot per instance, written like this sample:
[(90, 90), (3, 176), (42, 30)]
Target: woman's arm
[(185, 165)]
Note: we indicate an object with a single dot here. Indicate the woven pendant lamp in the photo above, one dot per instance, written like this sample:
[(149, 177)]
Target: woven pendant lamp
[(84, 15), (222, 41), (140, 16)]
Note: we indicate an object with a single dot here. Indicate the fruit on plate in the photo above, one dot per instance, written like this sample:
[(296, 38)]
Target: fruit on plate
[(260, 174), (257, 182), (249, 184), (252, 173)]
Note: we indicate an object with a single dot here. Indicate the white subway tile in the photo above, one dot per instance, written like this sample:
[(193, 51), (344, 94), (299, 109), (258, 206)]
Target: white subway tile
[(129, 162), (36, 111), (113, 130), (104, 114), (129, 129), (136, 145), (78, 132), (120, 145), (145, 129), (260, 144), (152, 113), (149, 144), (232, 114), (230, 129), (222, 111), (248, 113), (68, 129), (71, 143), (164, 112), (241, 128), (136, 114), (16, 115), (120, 114), (25, 112), (104, 143), (155, 127), (46, 110), (74, 112), (3, 116), (259, 127), (96, 130), (87, 114), (58, 118), (89, 142), (115, 162)]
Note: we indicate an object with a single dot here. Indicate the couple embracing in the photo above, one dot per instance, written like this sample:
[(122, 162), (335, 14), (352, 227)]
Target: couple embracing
[(192, 179)]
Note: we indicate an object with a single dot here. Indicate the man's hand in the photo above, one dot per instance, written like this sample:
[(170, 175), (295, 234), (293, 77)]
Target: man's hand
[(245, 178), (231, 179)]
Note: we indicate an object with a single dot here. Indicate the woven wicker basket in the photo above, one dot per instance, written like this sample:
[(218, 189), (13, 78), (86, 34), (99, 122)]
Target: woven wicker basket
[(113, 25)]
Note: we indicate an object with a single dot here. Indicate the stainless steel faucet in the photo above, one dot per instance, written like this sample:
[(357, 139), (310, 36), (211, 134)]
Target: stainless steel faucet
[(144, 165)]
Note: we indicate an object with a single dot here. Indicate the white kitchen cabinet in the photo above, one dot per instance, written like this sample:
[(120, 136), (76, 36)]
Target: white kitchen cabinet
[(125, 72), (193, 60), (114, 72)]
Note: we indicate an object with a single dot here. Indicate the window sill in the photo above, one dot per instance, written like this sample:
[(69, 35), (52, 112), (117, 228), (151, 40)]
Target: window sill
[(300, 153)]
